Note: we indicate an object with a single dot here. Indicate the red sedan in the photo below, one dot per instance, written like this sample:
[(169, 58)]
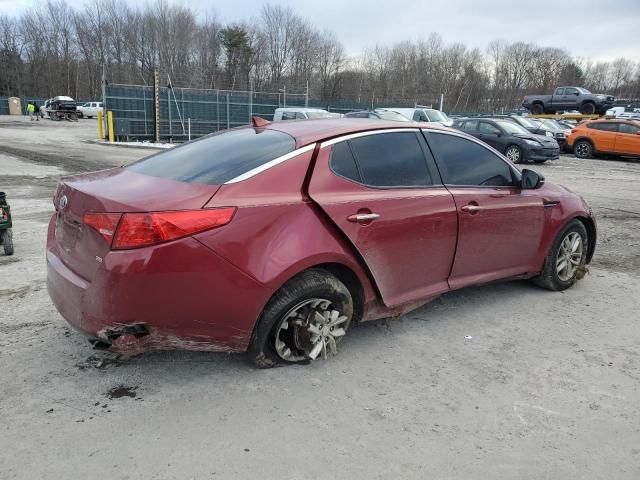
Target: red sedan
[(275, 239)]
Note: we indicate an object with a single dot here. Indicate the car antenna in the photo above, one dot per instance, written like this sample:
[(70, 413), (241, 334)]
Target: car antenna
[(259, 122)]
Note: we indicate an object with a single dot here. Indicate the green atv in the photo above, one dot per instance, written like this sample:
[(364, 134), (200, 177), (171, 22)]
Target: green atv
[(6, 237)]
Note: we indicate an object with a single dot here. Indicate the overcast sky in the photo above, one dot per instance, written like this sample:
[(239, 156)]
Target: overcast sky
[(595, 29)]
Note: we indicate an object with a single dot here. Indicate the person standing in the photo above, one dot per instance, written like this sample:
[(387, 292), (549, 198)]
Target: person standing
[(31, 109)]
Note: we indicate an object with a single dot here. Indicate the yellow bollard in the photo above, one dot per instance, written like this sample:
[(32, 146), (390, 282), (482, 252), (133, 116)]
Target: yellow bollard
[(100, 126), (110, 125)]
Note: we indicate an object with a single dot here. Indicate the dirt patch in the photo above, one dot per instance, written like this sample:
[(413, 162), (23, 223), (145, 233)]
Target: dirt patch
[(68, 161), (122, 391)]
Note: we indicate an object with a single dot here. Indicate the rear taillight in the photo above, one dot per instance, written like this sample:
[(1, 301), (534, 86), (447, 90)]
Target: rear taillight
[(134, 230), (104, 223), (144, 229)]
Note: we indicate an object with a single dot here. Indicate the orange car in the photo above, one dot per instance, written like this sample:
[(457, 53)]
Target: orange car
[(616, 137)]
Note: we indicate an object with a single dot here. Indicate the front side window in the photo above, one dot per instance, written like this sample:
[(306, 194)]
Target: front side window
[(288, 115), (217, 158), (464, 162), (489, 129), (560, 91), (420, 116), (628, 128), (393, 159), (570, 91)]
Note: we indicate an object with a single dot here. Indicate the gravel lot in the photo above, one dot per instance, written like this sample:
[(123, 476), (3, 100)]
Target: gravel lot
[(547, 387)]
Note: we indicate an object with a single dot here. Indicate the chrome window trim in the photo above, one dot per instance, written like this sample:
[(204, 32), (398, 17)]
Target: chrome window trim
[(333, 141), (271, 163)]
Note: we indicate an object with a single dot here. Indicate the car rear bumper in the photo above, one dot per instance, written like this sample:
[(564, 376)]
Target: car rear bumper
[(178, 295)]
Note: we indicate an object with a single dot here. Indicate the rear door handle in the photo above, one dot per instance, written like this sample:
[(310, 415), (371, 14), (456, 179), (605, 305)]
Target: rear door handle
[(363, 217), (472, 209)]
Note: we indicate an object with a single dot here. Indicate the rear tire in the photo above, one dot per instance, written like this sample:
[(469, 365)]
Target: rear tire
[(537, 109), (583, 149), (303, 321), (7, 242), (587, 108), (540, 161), (566, 258)]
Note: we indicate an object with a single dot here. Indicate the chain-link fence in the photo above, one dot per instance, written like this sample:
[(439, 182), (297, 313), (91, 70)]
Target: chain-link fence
[(186, 113)]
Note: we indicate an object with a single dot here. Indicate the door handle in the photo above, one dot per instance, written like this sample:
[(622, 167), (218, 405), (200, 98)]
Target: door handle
[(471, 208), (363, 217)]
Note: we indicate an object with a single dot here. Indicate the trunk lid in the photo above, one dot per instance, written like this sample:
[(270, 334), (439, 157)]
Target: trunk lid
[(117, 190)]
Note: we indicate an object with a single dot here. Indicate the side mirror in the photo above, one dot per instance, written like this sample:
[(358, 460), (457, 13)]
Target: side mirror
[(531, 180)]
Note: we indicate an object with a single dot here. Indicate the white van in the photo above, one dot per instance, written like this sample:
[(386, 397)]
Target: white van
[(302, 113), (424, 114)]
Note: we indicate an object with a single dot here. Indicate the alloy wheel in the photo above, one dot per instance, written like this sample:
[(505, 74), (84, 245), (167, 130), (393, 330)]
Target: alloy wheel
[(513, 154), (583, 150), (311, 329), (569, 256)]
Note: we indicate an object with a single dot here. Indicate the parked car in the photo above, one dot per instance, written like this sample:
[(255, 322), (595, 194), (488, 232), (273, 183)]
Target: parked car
[(302, 113), (527, 123), (378, 114), (514, 141), (89, 109), (568, 98), (614, 137), (559, 132), (61, 107), (276, 239), (423, 114)]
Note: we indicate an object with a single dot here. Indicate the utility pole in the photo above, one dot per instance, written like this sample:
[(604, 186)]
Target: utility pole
[(104, 100), (441, 101), (156, 97)]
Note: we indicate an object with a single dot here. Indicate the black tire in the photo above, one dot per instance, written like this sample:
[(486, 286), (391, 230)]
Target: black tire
[(542, 160), (537, 109), (549, 277), (514, 153), (583, 149), (587, 108), (7, 242), (311, 284), (81, 115)]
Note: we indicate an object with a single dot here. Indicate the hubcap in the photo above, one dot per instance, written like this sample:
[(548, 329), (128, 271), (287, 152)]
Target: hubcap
[(513, 154), (310, 329), (569, 256)]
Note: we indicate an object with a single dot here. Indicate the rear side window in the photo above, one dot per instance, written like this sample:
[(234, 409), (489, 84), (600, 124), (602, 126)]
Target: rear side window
[(217, 158), (470, 126), (560, 91), (486, 127), (607, 127), (465, 163), (382, 160)]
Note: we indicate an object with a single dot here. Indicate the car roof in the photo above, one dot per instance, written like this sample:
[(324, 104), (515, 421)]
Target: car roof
[(306, 132), (299, 109)]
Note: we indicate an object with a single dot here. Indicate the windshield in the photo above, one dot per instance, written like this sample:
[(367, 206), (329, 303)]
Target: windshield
[(526, 122), (396, 117), (548, 123), (584, 91), (436, 116), (512, 128), (322, 115)]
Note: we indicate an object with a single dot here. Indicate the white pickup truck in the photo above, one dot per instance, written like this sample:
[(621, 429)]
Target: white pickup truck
[(89, 109)]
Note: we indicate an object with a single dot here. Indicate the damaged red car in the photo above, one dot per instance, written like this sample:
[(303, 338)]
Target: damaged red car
[(276, 238)]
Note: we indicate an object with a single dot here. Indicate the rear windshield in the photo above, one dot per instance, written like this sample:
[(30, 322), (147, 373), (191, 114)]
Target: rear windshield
[(217, 158)]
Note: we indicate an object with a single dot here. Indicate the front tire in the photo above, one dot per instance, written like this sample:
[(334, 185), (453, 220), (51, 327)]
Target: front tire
[(514, 153), (7, 242), (583, 149), (566, 260), (303, 321)]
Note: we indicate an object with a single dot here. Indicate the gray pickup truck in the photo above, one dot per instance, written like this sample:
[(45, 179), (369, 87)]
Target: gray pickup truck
[(568, 98)]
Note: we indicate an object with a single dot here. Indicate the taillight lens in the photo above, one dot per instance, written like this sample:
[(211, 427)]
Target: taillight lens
[(104, 223), (143, 229)]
